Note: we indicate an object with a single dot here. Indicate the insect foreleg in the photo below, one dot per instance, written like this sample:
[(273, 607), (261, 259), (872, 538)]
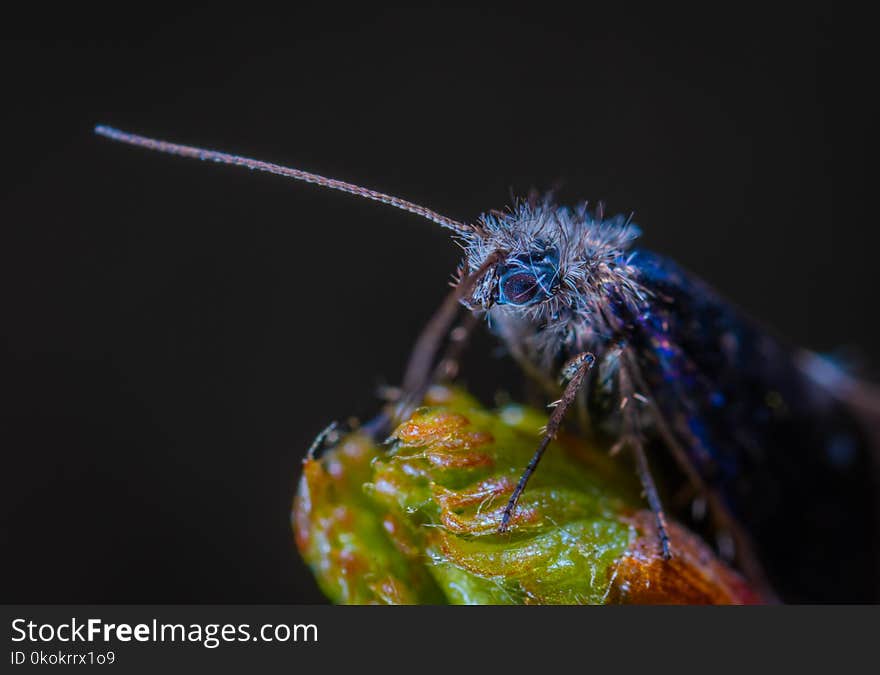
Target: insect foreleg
[(446, 370), (420, 371), (421, 360), (418, 375), (577, 368), (447, 367)]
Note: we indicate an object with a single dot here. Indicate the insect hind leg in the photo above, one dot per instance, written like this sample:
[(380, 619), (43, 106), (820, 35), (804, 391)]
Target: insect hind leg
[(727, 526)]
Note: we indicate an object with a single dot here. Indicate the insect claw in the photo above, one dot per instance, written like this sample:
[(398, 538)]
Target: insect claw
[(504, 525)]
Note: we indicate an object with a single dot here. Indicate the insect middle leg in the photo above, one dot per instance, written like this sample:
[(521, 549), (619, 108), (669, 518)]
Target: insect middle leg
[(575, 371)]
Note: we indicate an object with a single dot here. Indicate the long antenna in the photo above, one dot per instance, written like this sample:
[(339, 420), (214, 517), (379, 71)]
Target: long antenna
[(256, 165)]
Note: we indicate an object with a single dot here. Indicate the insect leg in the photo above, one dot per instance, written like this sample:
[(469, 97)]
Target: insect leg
[(578, 369), (421, 360), (634, 375), (459, 337), (632, 438), (446, 370), (723, 520), (402, 403), (418, 375)]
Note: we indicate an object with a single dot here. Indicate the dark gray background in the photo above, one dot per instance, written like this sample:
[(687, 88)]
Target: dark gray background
[(176, 333)]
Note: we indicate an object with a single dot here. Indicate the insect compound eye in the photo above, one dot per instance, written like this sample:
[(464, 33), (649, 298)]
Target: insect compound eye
[(519, 288), (528, 278)]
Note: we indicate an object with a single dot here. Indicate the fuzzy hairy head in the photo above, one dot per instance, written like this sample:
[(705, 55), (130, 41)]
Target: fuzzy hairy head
[(556, 265)]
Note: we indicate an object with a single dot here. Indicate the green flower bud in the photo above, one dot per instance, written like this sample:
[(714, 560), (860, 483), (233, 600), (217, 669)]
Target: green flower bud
[(416, 522)]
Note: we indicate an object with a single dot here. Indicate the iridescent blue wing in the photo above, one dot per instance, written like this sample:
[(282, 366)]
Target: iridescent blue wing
[(791, 459)]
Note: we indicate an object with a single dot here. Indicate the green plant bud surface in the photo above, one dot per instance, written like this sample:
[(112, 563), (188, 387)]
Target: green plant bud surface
[(415, 521)]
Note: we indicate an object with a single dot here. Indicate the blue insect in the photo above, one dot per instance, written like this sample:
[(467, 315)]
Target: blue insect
[(773, 447)]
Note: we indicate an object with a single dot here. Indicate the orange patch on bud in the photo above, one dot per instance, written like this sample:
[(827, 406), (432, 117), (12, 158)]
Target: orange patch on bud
[(424, 428), (455, 460), (693, 576)]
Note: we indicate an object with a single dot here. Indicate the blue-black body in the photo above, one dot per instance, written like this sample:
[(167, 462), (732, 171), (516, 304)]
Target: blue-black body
[(785, 450)]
